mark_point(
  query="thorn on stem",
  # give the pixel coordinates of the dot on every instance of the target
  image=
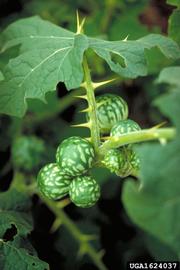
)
(56, 224)
(86, 110)
(89, 237)
(87, 125)
(79, 25)
(82, 97)
(82, 250)
(99, 84)
(101, 253)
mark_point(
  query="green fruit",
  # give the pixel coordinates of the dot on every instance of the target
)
(123, 161)
(52, 182)
(110, 109)
(134, 161)
(27, 152)
(114, 160)
(123, 127)
(84, 191)
(117, 161)
(75, 156)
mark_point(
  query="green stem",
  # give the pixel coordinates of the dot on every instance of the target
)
(110, 8)
(139, 136)
(85, 246)
(56, 207)
(95, 134)
(35, 119)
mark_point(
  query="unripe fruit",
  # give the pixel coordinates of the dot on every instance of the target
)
(75, 156)
(123, 127)
(84, 191)
(117, 161)
(114, 160)
(134, 160)
(123, 161)
(52, 182)
(110, 109)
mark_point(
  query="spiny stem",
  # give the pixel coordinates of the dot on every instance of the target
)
(75, 232)
(135, 137)
(110, 9)
(95, 134)
(32, 120)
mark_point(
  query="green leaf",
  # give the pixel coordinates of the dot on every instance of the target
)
(48, 54)
(174, 25)
(21, 221)
(1, 76)
(131, 55)
(173, 2)
(170, 75)
(154, 204)
(169, 106)
(15, 224)
(14, 208)
(14, 200)
(15, 257)
(158, 250)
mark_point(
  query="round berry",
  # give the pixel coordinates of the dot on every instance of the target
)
(110, 109)
(134, 160)
(75, 156)
(123, 127)
(114, 160)
(52, 182)
(117, 161)
(84, 191)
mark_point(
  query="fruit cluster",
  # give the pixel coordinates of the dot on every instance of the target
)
(69, 175)
(112, 115)
(75, 156)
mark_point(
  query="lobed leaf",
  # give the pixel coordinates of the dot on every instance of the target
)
(14, 200)
(14, 208)
(15, 224)
(14, 257)
(131, 54)
(49, 54)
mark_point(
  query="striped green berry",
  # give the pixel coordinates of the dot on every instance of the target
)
(110, 109)
(52, 182)
(134, 161)
(84, 191)
(75, 156)
(117, 161)
(123, 127)
(114, 160)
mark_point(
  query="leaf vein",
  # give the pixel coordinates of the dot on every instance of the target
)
(42, 62)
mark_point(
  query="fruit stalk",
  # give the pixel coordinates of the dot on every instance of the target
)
(85, 246)
(137, 136)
